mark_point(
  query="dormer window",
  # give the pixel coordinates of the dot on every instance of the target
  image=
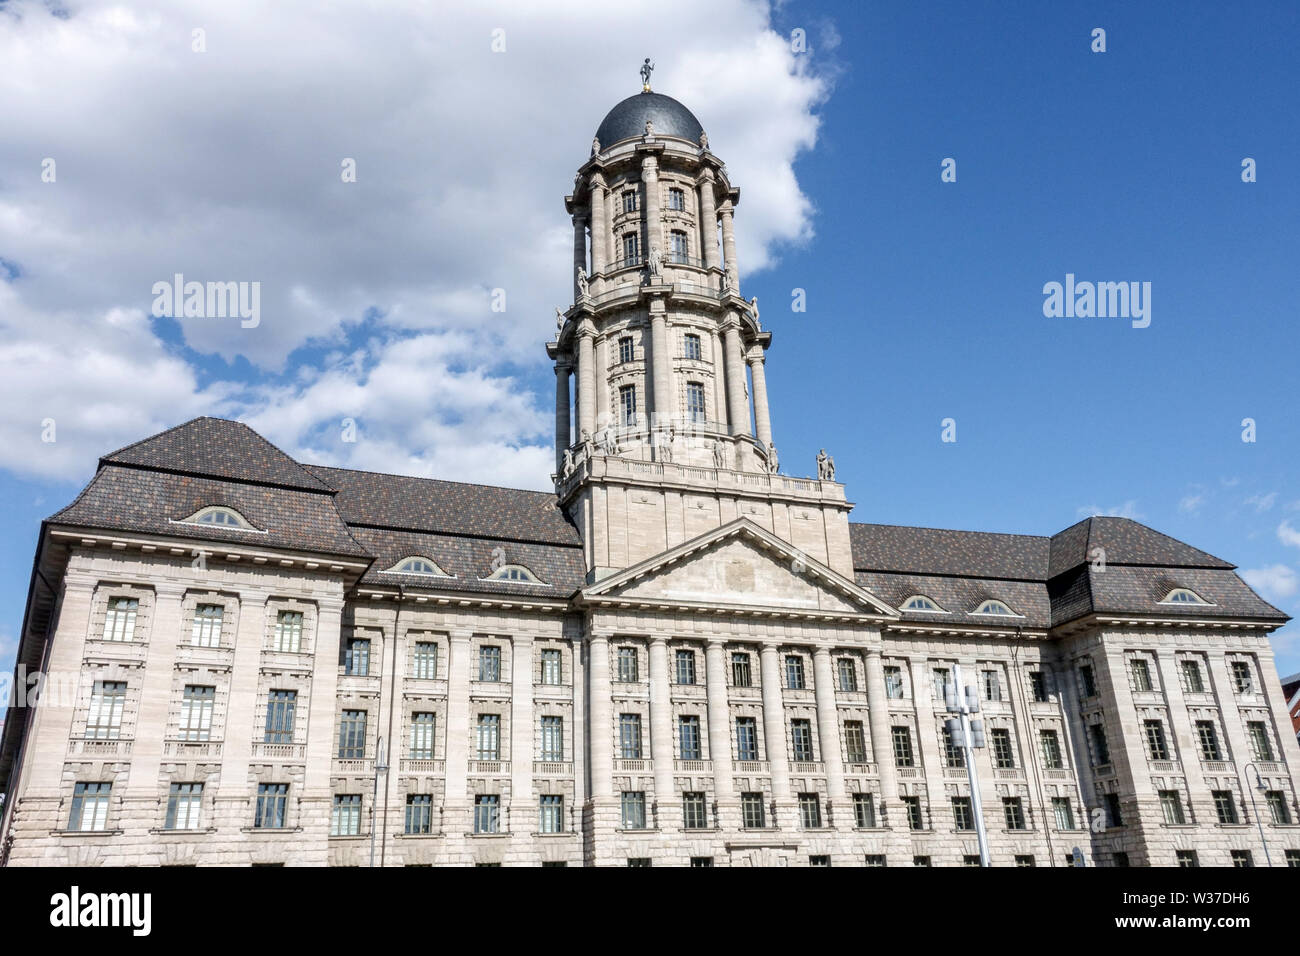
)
(514, 572)
(995, 609)
(417, 565)
(920, 602)
(1183, 596)
(219, 517)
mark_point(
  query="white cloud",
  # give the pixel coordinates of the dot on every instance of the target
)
(1127, 510)
(1288, 535)
(1191, 503)
(1274, 582)
(1262, 503)
(225, 165)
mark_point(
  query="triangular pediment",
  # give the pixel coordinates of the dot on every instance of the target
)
(738, 566)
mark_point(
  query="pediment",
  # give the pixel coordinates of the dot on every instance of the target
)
(739, 565)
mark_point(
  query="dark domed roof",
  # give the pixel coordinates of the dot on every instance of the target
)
(628, 118)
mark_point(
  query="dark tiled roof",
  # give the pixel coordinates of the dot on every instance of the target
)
(1120, 588)
(1125, 541)
(133, 499)
(217, 448)
(447, 507)
(977, 554)
(959, 596)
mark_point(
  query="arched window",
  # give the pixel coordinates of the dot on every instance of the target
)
(1183, 596)
(219, 517)
(417, 565)
(995, 608)
(514, 572)
(919, 602)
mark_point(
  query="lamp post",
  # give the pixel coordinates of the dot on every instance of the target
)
(968, 734)
(380, 768)
(1254, 808)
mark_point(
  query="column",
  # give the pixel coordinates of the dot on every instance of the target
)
(581, 732)
(774, 722)
(719, 377)
(661, 725)
(737, 407)
(458, 729)
(155, 693)
(601, 398)
(586, 383)
(233, 806)
(762, 423)
(523, 810)
(599, 225)
(715, 662)
(729, 245)
(828, 725)
(561, 414)
(660, 366)
(882, 745)
(650, 201)
(708, 222)
(599, 730)
(579, 248)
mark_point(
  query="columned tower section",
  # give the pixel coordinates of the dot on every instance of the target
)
(662, 427)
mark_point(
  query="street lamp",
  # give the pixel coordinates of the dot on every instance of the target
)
(968, 734)
(1254, 808)
(380, 768)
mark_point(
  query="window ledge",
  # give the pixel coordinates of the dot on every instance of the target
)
(272, 830)
(177, 831)
(86, 833)
(489, 836)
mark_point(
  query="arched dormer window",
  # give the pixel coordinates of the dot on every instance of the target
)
(995, 609)
(919, 602)
(1183, 596)
(217, 516)
(514, 572)
(418, 565)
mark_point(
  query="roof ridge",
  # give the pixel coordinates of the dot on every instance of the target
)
(155, 435)
(445, 481)
(917, 527)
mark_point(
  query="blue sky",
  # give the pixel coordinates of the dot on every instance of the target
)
(924, 298)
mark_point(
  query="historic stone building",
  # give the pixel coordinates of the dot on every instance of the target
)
(680, 657)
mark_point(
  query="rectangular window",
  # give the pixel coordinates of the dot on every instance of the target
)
(356, 657)
(629, 200)
(633, 810)
(1242, 858)
(695, 411)
(1224, 806)
(1260, 744)
(1209, 740)
(810, 811)
(913, 807)
(920, 861)
(487, 813)
(746, 738)
(801, 739)
(1087, 679)
(184, 801)
(550, 809)
(1171, 805)
(1024, 859)
(90, 806)
(694, 812)
(864, 811)
(489, 663)
(627, 669)
(701, 861)
(685, 661)
(104, 719)
(552, 738)
(741, 674)
(941, 681)
(352, 735)
(272, 801)
(794, 672)
(855, 742)
(1187, 858)
(1242, 679)
(894, 683)
(625, 353)
(1051, 745)
(1157, 749)
(678, 248)
(1063, 812)
(426, 660)
(1277, 808)
(691, 346)
(489, 736)
(280, 705)
(953, 756)
(345, 818)
(992, 685)
(631, 249)
(196, 712)
(288, 632)
(752, 811)
(1192, 682)
(627, 404)
(1119, 858)
(119, 619)
(688, 729)
(1100, 749)
(1140, 672)
(1037, 687)
(423, 727)
(902, 737)
(1293, 858)
(848, 674)
(874, 859)
(1013, 812)
(970, 859)
(676, 200)
(1004, 755)
(419, 813)
(207, 625)
(820, 860)
(1114, 816)
(551, 666)
(629, 736)
(962, 814)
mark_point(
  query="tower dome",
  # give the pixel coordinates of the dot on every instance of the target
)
(627, 120)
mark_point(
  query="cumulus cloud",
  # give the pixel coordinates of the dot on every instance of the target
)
(1275, 581)
(224, 165)
(1288, 535)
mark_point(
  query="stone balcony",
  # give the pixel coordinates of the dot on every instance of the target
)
(100, 748)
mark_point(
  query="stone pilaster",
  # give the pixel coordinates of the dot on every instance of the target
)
(737, 406)
(523, 806)
(661, 725)
(828, 725)
(715, 662)
(599, 226)
(650, 203)
(882, 746)
(729, 244)
(708, 221)
(600, 732)
(586, 383)
(774, 723)
(661, 366)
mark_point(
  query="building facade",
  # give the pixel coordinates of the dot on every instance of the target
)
(681, 657)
